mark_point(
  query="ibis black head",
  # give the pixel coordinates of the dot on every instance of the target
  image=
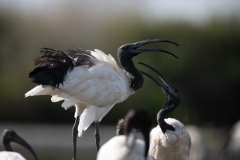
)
(172, 95)
(9, 136)
(127, 51)
(141, 121)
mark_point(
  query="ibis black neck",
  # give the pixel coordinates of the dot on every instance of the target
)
(128, 65)
(168, 107)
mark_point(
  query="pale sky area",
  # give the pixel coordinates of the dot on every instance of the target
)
(193, 11)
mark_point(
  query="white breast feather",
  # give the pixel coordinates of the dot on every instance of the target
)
(173, 145)
(102, 82)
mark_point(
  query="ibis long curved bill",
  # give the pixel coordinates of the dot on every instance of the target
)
(9, 136)
(172, 95)
(169, 133)
(166, 84)
(148, 41)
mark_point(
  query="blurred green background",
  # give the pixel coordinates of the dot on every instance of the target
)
(207, 72)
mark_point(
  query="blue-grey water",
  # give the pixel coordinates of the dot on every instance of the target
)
(55, 141)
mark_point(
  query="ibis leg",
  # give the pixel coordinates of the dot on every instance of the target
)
(96, 135)
(74, 136)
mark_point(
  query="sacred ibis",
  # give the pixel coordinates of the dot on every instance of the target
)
(9, 136)
(90, 80)
(169, 139)
(128, 146)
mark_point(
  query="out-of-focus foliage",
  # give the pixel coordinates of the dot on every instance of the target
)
(207, 72)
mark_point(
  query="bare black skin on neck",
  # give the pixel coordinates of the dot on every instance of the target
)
(172, 95)
(125, 57)
(169, 106)
(9, 136)
(140, 120)
(128, 51)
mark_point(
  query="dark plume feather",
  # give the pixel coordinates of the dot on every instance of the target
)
(83, 57)
(52, 67)
(79, 51)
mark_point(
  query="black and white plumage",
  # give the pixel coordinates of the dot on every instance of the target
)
(127, 146)
(9, 136)
(169, 140)
(90, 80)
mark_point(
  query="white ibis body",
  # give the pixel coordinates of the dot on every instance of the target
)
(128, 146)
(9, 136)
(90, 80)
(6, 155)
(169, 140)
(173, 145)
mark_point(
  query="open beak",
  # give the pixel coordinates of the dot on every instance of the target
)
(144, 42)
(126, 52)
(172, 95)
(133, 47)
